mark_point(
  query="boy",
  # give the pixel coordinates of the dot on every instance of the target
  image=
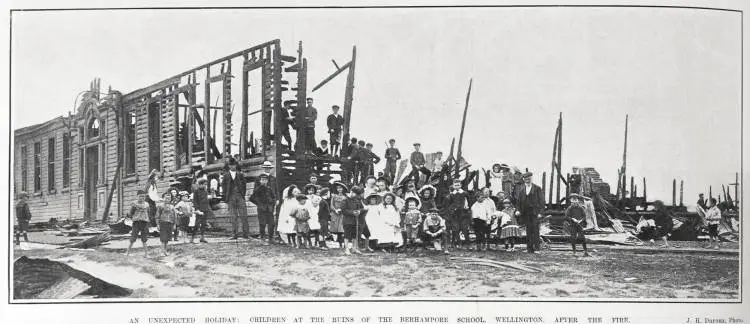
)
(166, 217)
(324, 216)
(575, 220)
(434, 227)
(354, 211)
(301, 217)
(139, 215)
(482, 213)
(200, 200)
(412, 220)
(234, 187)
(418, 161)
(335, 127)
(370, 160)
(392, 155)
(713, 218)
(265, 199)
(187, 211)
(23, 216)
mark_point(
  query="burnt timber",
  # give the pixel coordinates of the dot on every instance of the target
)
(90, 163)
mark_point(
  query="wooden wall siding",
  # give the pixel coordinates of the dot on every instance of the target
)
(62, 204)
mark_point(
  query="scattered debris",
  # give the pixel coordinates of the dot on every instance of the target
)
(495, 264)
(91, 242)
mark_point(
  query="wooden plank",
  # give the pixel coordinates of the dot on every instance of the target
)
(330, 77)
(463, 125)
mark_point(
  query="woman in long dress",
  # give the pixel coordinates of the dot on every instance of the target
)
(338, 197)
(288, 205)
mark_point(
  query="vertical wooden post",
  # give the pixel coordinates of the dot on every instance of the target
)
(567, 187)
(552, 171)
(736, 189)
(710, 192)
(645, 197)
(625, 158)
(463, 125)
(682, 182)
(674, 192)
(632, 187)
(207, 118)
(558, 163)
(724, 193)
(245, 108)
(348, 97)
(544, 183)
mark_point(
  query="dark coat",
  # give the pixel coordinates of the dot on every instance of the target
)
(200, 200)
(264, 198)
(535, 196)
(350, 205)
(239, 182)
(324, 211)
(335, 123)
(22, 211)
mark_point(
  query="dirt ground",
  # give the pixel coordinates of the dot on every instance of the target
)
(249, 269)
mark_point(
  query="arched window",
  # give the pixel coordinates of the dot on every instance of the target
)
(93, 128)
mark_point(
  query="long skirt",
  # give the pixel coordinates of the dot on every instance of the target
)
(337, 223)
(509, 231)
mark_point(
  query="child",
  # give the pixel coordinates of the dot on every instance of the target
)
(713, 217)
(509, 229)
(482, 213)
(23, 216)
(200, 199)
(313, 209)
(370, 186)
(188, 216)
(301, 217)
(434, 227)
(391, 219)
(458, 217)
(265, 200)
(166, 217)
(412, 220)
(338, 199)
(374, 223)
(427, 196)
(392, 155)
(139, 213)
(575, 219)
(324, 216)
(286, 223)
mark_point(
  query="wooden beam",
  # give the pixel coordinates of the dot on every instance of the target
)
(645, 197)
(463, 125)
(552, 171)
(335, 64)
(349, 96)
(559, 156)
(682, 182)
(207, 118)
(330, 77)
(245, 107)
(674, 192)
(625, 157)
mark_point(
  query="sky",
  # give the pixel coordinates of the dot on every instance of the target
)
(675, 72)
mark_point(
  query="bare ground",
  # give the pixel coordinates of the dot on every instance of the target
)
(248, 269)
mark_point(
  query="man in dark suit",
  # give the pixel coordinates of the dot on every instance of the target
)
(530, 206)
(234, 187)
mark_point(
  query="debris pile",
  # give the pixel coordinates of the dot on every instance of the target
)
(47, 279)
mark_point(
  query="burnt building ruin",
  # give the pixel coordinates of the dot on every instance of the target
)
(90, 163)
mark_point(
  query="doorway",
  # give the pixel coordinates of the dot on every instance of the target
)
(91, 181)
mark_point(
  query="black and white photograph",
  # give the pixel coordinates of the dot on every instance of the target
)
(449, 153)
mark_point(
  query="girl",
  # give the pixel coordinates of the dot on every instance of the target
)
(286, 222)
(663, 221)
(509, 229)
(337, 218)
(187, 215)
(313, 208)
(391, 218)
(427, 197)
(301, 217)
(166, 216)
(495, 177)
(412, 221)
(372, 218)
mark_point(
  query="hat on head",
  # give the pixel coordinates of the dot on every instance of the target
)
(498, 165)
(575, 195)
(417, 144)
(26, 194)
(374, 195)
(506, 200)
(263, 176)
(391, 140)
(415, 199)
(368, 144)
(342, 185)
(267, 164)
(313, 175)
(184, 193)
(527, 175)
(371, 177)
(504, 166)
(357, 190)
(301, 197)
(426, 188)
(232, 161)
(457, 180)
(434, 210)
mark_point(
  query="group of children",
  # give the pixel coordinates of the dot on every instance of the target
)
(176, 215)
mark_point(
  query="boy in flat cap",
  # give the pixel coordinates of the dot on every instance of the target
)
(234, 186)
(392, 155)
(370, 160)
(23, 216)
(575, 220)
(335, 127)
(530, 206)
(265, 199)
(457, 214)
(418, 161)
